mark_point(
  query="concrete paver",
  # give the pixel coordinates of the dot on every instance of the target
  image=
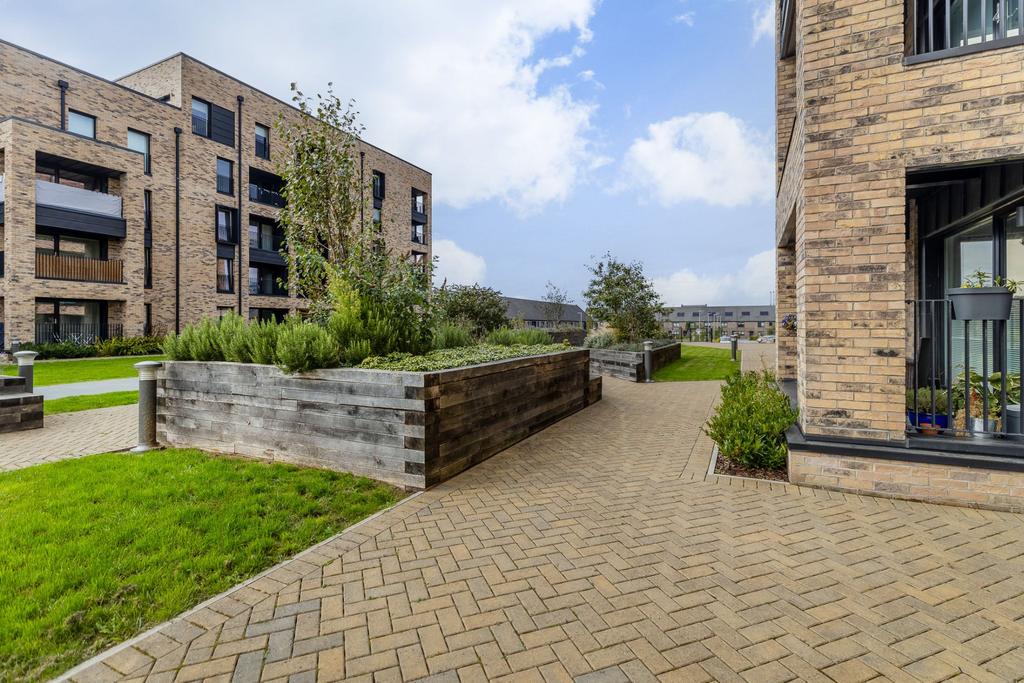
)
(71, 435)
(596, 549)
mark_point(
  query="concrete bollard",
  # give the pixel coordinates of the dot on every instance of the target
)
(648, 362)
(26, 367)
(733, 343)
(147, 406)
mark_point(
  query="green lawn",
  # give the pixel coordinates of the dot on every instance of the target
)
(94, 550)
(699, 363)
(87, 370)
(72, 404)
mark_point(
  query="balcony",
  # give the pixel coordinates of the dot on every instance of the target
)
(71, 208)
(78, 269)
(263, 195)
(419, 208)
(83, 332)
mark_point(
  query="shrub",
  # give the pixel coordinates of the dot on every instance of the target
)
(599, 340)
(64, 349)
(481, 309)
(451, 336)
(750, 421)
(302, 347)
(233, 338)
(503, 336)
(262, 341)
(924, 400)
(196, 342)
(445, 359)
(129, 346)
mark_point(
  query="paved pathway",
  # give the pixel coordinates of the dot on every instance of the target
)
(596, 549)
(71, 435)
(102, 386)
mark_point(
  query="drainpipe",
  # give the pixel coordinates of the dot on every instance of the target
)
(177, 230)
(362, 199)
(63, 85)
(238, 225)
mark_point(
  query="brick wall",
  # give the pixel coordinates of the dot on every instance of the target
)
(867, 120)
(991, 489)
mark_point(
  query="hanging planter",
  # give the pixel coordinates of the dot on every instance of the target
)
(788, 322)
(976, 300)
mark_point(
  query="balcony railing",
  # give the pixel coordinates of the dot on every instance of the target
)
(78, 332)
(965, 380)
(79, 269)
(265, 196)
(77, 199)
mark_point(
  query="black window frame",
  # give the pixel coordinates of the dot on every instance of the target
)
(84, 115)
(230, 192)
(277, 234)
(209, 117)
(266, 141)
(922, 32)
(233, 213)
(379, 185)
(147, 156)
(147, 258)
(230, 274)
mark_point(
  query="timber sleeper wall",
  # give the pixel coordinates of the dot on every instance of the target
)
(412, 429)
(630, 364)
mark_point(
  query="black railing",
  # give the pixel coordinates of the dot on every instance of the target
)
(964, 378)
(80, 333)
(264, 195)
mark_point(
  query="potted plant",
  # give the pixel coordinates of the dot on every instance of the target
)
(980, 388)
(919, 410)
(1011, 417)
(976, 299)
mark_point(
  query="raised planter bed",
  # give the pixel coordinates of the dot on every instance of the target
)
(630, 364)
(412, 429)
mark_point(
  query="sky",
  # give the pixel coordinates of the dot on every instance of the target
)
(556, 131)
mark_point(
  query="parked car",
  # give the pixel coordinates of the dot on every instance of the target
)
(726, 339)
(766, 339)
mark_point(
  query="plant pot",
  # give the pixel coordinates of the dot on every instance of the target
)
(921, 420)
(980, 303)
(978, 426)
(1013, 423)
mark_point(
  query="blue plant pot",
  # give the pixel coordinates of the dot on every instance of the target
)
(921, 418)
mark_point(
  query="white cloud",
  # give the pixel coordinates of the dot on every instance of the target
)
(715, 158)
(685, 18)
(764, 21)
(449, 85)
(751, 284)
(456, 265)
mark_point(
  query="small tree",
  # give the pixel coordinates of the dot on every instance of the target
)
(480, 308)
(555, 301)
(620, 295)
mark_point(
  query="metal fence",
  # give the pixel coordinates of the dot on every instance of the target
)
(79, 333)
(964, 380)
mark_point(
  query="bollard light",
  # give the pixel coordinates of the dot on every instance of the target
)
(648, 362)
(147, 405)
(26, 367)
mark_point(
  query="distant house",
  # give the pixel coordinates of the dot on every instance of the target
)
(536, 313)
(710, 322)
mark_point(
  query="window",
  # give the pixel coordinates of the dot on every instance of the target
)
(201, 117)
(148, 329)
(147, 253)
(418, 236)
(225, 310)
(267, 281)
(378, 185)
(264, 234)
(82, 124)
(376, 217)
(225, 176)
(967, 25)
(147, 210)
(226, 226)
(746, 313)
(262, 141)
(224, 271)
(728, 314)
(695, 314)
(417, 258)
(265, 188)
(140, 143)
(419, 202)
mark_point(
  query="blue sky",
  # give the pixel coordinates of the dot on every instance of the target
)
(555, 130)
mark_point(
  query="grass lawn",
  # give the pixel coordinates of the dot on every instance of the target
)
(72, 404)
(94, 550)
(699, 363)
(86, 370)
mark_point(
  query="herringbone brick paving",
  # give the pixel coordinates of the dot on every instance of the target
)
(595, 550)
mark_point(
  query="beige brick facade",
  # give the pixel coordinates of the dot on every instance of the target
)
(155, 100)
(862, 118)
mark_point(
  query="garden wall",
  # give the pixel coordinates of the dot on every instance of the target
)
(412, 429)
(630, 364)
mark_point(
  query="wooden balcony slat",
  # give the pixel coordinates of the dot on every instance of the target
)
(59, 267)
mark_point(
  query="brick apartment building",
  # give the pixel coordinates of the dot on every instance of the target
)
(149, 202)
(711, 322)
(900, 140)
